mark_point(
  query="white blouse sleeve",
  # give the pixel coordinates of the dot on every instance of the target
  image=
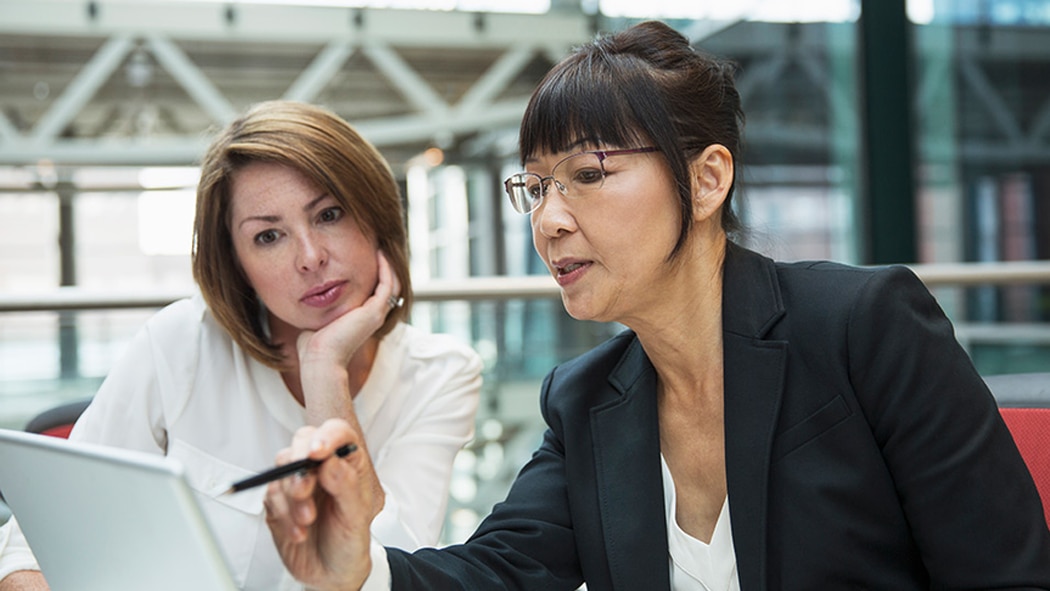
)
(379, 577)
(149, 384)
(14, 552)
(128, 410)
(434, 421)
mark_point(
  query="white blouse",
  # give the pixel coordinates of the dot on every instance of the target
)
(185, 389)
(696, 566)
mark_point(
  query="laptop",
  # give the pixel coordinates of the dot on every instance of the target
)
(107, 519)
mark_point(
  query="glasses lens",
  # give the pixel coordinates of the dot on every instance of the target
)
(579, 174)
(524, 190)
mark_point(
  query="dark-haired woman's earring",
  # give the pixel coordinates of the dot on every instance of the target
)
(395, 301)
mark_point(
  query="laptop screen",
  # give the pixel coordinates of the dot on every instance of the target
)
(109, 519)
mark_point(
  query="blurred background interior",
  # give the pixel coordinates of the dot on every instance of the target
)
(878, 131)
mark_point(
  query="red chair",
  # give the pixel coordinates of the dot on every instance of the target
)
(58, 421)
(1024, 402)
(1031, 430)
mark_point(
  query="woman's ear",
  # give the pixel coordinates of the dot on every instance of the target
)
(712, 175)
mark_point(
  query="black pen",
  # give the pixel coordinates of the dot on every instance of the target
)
(285, 470)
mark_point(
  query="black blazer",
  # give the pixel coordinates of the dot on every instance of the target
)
(863, 451)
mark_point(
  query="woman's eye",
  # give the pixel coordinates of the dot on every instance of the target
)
(588, 175)
(266, 237)
(331, 214)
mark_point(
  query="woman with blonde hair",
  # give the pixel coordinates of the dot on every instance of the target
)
(300, 254)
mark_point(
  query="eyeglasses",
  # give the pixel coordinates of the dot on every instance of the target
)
(574, 176)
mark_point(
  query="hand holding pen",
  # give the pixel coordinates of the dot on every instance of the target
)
(284, 470)
(321, 525)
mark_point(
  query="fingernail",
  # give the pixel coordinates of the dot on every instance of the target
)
(316, 444)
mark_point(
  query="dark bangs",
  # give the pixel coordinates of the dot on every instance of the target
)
(611, 99)
(593, 98)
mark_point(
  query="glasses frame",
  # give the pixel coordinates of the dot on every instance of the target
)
(546, 181)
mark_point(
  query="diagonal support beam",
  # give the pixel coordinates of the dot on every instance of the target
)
(87, 82)
(495, 79)
(8, 132)
(702, 29)
(838, 97)
(761, 72)
(1040, 124)
(320, 72)
(414, 88)
(413, 128)
(192, 79)
(991, 100)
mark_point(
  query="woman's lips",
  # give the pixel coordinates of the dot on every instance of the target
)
(571, 272)
(325, 295)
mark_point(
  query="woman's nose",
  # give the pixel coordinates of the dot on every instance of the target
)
(553, 217)
(312, 254)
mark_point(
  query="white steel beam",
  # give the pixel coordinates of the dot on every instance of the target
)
(82, 88)
(495, 79)
(1041, 123)
(990, 98)
(423, 127)
(320, 71)
(411, 85)
(184, 151)
(272, 23)
(191, 79)
(7, 131)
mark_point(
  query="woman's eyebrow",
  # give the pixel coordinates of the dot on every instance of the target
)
(269, 219)
(274, 218)
(312, 204)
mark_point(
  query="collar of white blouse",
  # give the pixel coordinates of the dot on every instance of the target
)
(696, 566)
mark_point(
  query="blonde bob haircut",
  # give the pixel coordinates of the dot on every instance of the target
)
(328, 151)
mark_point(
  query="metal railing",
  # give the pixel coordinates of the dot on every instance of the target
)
(495, 288)
(467, 289)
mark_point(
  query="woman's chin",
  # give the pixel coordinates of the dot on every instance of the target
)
(579, 311)
(334, 313)
(314, 322)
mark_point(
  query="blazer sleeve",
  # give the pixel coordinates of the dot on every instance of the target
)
(967, 494)
(527, 542)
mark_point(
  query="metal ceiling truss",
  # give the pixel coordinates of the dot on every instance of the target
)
(161, 30)
(410, 79)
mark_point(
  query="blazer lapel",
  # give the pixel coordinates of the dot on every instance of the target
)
(754, 382)
(630, 487)
(626, 441)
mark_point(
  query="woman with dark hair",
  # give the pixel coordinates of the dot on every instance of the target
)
(301, 257)
(760, 425)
